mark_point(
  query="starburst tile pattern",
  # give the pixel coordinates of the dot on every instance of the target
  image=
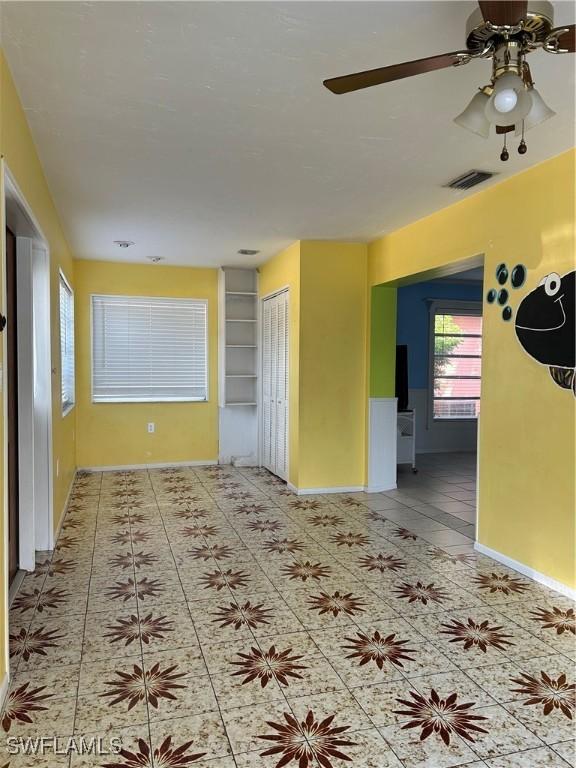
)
(445, 717)
(382, 563)
(40, 600)
(424, 593)
(54, 567)
(552, 693)
(350, 539)
(556, 619)
(473, 634)
(308, 742)
(326, 521)
(164, 756)
(242, 615)
(264, 526)
(505, 584)
(143, 685)
(268, 665)
(336, 603)
(219, 580)
(141, 588)
(280, 546)
(136, 628)
(198, 609)
(305, 570)
(26, 643)
(211, 552)
(23, 704)
(378, 649)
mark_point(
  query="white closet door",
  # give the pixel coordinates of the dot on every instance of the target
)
(266, 385)
(275, 384)
(282, 388)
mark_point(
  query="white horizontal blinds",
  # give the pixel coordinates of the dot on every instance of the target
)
(149, 349)
(67, 343)
(457, 364)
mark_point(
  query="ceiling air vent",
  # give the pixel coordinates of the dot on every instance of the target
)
(470, 179)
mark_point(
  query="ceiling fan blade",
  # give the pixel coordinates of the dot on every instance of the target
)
(567, 41)
(371, 77)
(503, 12)
(504, 128)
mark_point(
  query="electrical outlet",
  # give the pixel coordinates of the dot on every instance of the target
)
(151, 427)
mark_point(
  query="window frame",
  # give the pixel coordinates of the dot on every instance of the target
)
(445, 307)
(64, 284)
(140, 400)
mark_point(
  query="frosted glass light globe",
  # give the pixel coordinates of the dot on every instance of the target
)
(505, 100)
(510, 101)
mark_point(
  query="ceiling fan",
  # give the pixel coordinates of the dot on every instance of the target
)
(505, 31)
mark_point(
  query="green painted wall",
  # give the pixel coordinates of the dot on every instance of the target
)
(382, 341)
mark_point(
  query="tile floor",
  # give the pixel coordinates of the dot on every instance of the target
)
(208, 616)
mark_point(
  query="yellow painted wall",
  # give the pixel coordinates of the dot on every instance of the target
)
(328, 346)
(113, 434)
(527, 424)
(19, 154)
(333, 364)
(283, 271)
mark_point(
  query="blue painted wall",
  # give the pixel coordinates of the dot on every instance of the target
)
(412, 326)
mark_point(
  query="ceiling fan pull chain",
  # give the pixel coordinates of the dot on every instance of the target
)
(504, 155)
(522, 147)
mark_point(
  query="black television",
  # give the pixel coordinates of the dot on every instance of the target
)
(402, 376)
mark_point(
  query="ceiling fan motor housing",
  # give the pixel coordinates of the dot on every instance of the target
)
(536, 27)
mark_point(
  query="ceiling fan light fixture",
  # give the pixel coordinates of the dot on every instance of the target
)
(510, 101)
(539, 112)
(473, 118)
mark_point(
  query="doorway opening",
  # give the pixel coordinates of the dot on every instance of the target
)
(438, 386)
(27, 385)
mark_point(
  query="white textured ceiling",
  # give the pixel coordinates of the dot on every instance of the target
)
(196, 129)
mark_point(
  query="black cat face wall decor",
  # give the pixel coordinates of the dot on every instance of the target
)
(545, 326)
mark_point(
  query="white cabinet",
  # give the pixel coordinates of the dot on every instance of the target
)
(406, 438)
(275, 384)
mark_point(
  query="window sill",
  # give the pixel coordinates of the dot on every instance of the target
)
(465, 420)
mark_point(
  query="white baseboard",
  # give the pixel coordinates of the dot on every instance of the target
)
(337, 489)
(64, 510)
(380, 488)
(244, 461)
(525, 570)
(161, 465)
(4, 686)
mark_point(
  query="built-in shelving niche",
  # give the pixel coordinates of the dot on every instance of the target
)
(238, 368)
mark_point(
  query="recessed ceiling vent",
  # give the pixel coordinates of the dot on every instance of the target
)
(470, 179)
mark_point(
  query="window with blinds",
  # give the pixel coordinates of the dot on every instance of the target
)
(456, 362)
(149, 349)
(67, 372)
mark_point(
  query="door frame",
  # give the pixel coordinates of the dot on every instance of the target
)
(34, 374)
(284, 289)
